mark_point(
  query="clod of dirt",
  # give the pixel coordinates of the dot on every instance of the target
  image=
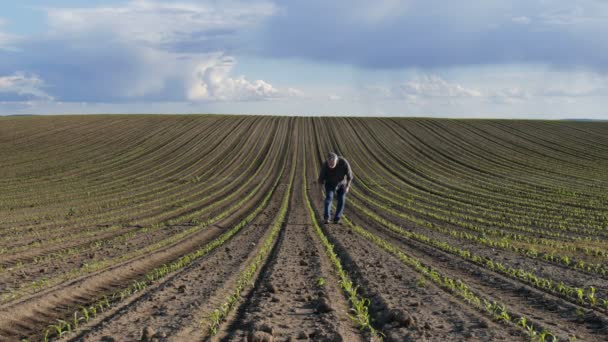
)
(107, 339)
(302, 335)
(415, 303)
(260, 336)
(271, 288)
(323, 306)
(275, 299)
(303, 263)
(402, 318)
(181, 289)
(265, 327)
(148, 335)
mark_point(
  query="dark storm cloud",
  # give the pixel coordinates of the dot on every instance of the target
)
(429, 34)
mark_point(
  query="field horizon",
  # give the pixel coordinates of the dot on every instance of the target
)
(163, 227)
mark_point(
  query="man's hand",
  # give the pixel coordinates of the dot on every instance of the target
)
(347, 189)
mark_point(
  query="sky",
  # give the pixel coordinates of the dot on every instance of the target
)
(532, 59)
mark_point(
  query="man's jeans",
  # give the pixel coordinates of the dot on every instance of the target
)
(329, 196)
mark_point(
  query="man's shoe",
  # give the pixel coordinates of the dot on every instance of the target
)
(326, 221)
(337, 221)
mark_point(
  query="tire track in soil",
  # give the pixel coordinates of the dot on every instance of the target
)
(176, 303)
(403, 306)
(287, 303)
(555, 314)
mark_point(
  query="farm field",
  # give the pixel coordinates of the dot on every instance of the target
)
(208, 227)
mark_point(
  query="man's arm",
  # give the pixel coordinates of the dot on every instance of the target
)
(349, 176)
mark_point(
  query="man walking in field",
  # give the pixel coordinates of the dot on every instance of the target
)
(337, 176)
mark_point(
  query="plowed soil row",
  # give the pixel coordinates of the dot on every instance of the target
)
(177, 305)
(405, 307)
(556, 315)
(28, 316)
(73, 199)
(296, 296)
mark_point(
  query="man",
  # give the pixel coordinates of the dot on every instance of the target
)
(337, 176)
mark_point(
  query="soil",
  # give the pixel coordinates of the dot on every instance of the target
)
(141, 173)
(297, 294)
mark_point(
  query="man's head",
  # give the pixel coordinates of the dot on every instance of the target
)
(332, 160)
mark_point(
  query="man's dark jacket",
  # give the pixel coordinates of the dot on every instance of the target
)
(336, 177)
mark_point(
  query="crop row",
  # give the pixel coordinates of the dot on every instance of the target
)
(86, 312)
(216, 317)
(43, 283)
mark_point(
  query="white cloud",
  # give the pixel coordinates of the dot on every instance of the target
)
(7, 41)
(510, 95)
(521, 20)
(566, 15)
(212, 82)
(149, 50)
(376, 12)
(520, 86)
(334, 97)
(431, 86)
(161, 22)
(23, 84)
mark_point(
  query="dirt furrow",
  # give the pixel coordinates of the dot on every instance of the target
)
(29, 315)
(404, 306)
(296, 296)
(556, 315)
(176, 302)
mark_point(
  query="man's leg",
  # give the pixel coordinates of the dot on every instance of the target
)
(341, 194)
(329, 196)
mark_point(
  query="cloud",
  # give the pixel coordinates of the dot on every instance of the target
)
(438, 34)
(433, 86)
(144, 50)
(7, 41)
(334, 98)
(425, 86)
(521, 20)
(22, 86)
(490, 86)
(175, 26)
(211, 82)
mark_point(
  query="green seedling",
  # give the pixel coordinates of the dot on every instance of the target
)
(591, 296)
(421, 282)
